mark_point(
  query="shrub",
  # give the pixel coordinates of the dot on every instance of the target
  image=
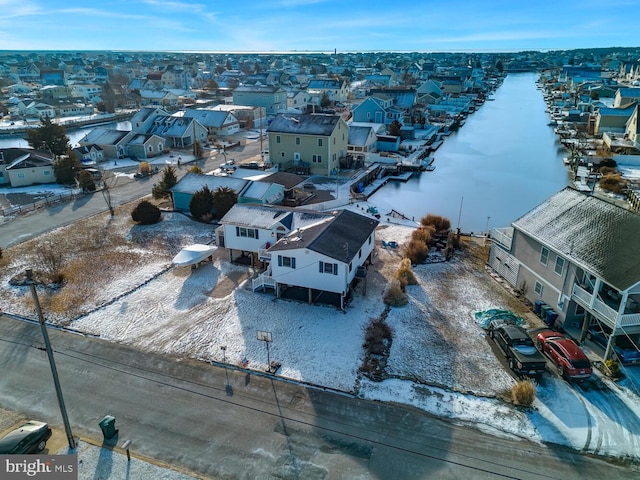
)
(146, 213)
(169, 179)
(423, 234)
(416, 251)
(612, 367)
(608, 170)
(395, 296)
(441, 224)
(405, 275)
(524, 392)
(613, 183)
(377, 337)
(50, 260)
(144, 167)
(453, 240)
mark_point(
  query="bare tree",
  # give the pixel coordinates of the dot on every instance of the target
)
(109, 181)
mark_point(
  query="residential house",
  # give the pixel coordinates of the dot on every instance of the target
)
(89, 154)
(321, 259)
(158, 97)
(144, 146)
(247, 115)
(299, 100)
(626, 96)
(112, 142)
(612, 119)
(377, 109)
(143, 119)
(178, 131)
(361, 140)
(577, 256)
(335, 90)
(88, 91)
(272, 99)
(308, 143)
(21, 167)
(183, 191)
(627, 142)
(218, 123)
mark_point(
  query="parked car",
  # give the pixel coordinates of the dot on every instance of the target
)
(570, 361)
(30, 437)
(624, 348)
(522, 355)
(253, 165)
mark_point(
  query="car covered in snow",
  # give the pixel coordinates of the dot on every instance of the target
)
(569, 360)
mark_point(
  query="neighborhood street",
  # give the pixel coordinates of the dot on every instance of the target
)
(225, 422)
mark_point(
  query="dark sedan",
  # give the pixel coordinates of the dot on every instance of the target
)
(30, 437)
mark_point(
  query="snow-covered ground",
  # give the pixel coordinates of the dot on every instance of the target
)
(440, 360)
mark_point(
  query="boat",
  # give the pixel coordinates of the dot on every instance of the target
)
(193, 254)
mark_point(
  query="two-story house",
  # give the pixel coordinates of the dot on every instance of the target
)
(377, 109)
(218, 123)
(576, 255)
(308, 143)
(273, 99)
(336, 90)
(318, 253)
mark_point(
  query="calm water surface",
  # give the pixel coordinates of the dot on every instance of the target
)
(504, 161)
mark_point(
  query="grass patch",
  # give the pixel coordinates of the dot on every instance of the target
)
(523, 393)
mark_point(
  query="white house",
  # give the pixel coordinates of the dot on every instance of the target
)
(320, 261)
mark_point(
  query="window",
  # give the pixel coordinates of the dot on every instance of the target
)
(559, 267)
(289, 262)
(297, 140)
(319, 142)
(544, 255)
(331, 268)
(277, 138)
(46, 172)
(247, 232)
(538, 288)
(316, 158)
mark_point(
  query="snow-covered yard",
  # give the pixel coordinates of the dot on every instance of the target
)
(440, 360)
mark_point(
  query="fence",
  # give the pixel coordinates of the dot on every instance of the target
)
(48, 201)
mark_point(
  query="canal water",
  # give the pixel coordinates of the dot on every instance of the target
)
(504, 161)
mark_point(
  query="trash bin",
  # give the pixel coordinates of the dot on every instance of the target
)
(108, 427)
(543, 311)
(537, 306)
(550, 318)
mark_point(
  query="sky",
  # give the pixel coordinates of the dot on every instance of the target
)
(316, 25)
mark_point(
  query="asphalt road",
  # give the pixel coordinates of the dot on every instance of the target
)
(229, 423)
(32, 224)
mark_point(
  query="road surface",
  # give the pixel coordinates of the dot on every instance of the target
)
(232, 423)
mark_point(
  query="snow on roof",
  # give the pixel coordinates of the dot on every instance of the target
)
(592, 232)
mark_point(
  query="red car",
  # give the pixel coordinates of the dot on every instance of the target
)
(565, 354)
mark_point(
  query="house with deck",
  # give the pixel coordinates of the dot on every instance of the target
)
(306, 254)
(576, 257)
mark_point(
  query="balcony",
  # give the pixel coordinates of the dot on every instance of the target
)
(503, 237)
(604, 312)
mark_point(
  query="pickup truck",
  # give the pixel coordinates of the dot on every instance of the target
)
(522, 355)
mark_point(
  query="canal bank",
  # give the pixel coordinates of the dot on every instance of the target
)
(504, 161)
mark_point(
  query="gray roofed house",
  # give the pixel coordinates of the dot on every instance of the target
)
(24, 166)
(113, 142)
(219, 123)
(183, 191)
(578, 254)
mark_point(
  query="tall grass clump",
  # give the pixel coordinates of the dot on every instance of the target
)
(404, 273)
(395, 295)
(523, 393)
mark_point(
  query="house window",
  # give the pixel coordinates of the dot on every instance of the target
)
(331, 268)
(538, 288)
(319, 142)
(360, 253)
(21, 175)
(544, 255)
(46, 173)
(277, 138)
(297, 140)
(289, 262)
(247, 232)
(559, 267)
(316, 158)
(150, 148)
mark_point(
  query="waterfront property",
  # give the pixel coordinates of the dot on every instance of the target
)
(20, 167)
(576, 256)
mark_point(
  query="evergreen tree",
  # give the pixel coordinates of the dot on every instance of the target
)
(169, 179)
(49, 137)
(223, 199)
(66, 168)
(86, 181)
(201, 204)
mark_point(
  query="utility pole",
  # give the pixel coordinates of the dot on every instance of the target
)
(52, 363)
